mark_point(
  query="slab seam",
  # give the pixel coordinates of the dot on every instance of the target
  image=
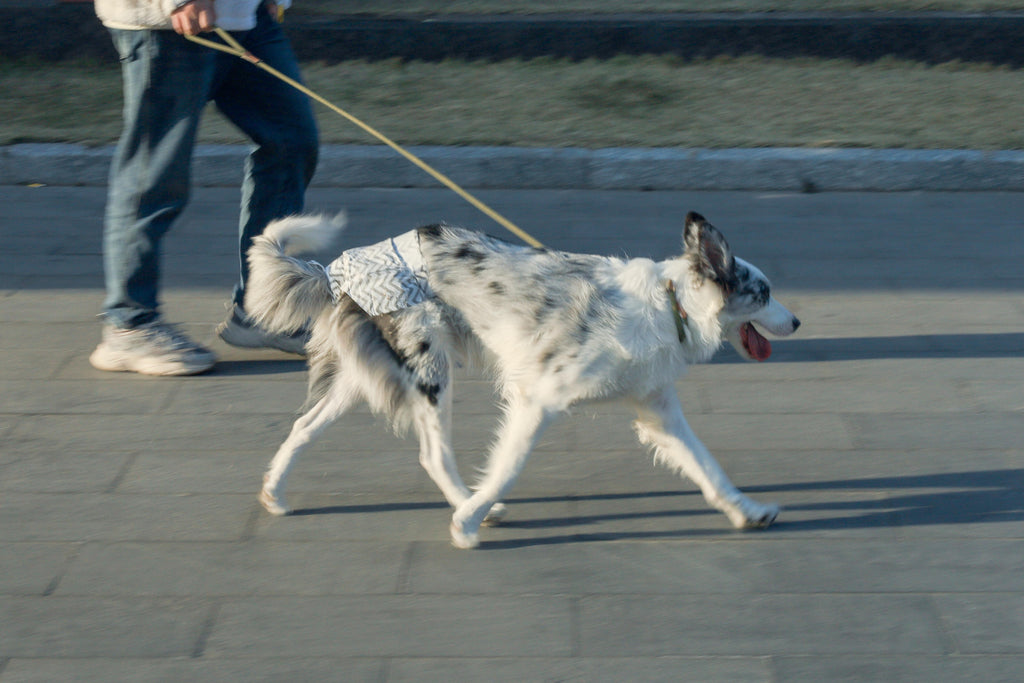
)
(55, 582)
(206, 631)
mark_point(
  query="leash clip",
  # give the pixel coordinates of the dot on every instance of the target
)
(678, 314)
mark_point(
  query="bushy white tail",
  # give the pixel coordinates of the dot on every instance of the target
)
(285, 293)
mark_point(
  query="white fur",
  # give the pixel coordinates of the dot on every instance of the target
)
(557, 329)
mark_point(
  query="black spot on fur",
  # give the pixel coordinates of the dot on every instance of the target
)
(589, 313)
(546, 307)
(575, 267)
(385, 324)
(581, 332)
(431, 391)
(431, 231)
(424, 347)
(757, 291)
(466, 251)
(497, 288)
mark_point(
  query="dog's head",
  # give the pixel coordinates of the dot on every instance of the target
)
(745, 290)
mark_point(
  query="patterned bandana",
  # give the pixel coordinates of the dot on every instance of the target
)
(383, 277)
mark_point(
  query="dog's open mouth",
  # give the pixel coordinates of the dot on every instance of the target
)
(754, 342)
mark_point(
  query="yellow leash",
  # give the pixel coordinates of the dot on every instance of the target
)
(232, 47)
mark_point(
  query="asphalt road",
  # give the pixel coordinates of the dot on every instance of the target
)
(132, 546)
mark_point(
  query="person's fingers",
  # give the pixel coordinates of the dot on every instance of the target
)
(207, 19)
(194, 18)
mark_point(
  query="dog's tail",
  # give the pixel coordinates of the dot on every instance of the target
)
(284, 293)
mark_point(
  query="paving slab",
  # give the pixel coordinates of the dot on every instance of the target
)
(78, 471)
(777, 624)
(78, 397)
(967, 432)
(100, 627)
(985, 624)
(904, 668)
(388, 625)
(323, 470)
(33, 568)
(888, 428)
(175, 670)
(242, 569)
(597, 669)
(124, 517)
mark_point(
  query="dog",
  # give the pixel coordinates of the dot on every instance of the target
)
(557, 329)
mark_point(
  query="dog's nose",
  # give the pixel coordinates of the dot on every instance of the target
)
(796, 323)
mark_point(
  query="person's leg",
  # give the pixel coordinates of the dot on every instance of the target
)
(166, 81)
(279, 120)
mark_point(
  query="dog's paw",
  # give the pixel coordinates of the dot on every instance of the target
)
(495, 515)
(748, 514)
(275, 505)
(463, 540)
(760, 516)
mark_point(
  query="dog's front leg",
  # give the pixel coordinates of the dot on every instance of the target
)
(522, 425)
(661, 424)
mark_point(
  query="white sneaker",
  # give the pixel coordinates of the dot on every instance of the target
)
(155, 348)
(238, 331)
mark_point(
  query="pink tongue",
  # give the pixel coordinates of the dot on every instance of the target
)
(756, 345)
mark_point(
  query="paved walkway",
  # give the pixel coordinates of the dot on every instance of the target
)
(889, 428)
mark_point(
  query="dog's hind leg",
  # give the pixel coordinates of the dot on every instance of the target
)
(523, 424)
(432, 421)
(661, 424)
(305, 430)
(431, 404)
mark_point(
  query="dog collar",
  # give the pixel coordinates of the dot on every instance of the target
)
(678, 313)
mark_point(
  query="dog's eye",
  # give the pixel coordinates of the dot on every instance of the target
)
(757, 292)
(763, 292)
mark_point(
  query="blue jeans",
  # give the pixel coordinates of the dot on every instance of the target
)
(167, 82)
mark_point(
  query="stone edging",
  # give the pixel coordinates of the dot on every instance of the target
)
(780, 169)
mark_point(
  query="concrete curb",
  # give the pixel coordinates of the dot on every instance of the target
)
(778, 169)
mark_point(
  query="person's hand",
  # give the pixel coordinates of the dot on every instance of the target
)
(194, 18)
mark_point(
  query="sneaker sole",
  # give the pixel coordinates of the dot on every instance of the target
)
(102, 359)
(251, 338)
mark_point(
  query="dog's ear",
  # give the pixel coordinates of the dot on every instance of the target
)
(711, 253)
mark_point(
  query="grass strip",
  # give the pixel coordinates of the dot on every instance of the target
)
(626, 101)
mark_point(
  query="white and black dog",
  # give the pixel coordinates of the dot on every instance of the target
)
(556, 328)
